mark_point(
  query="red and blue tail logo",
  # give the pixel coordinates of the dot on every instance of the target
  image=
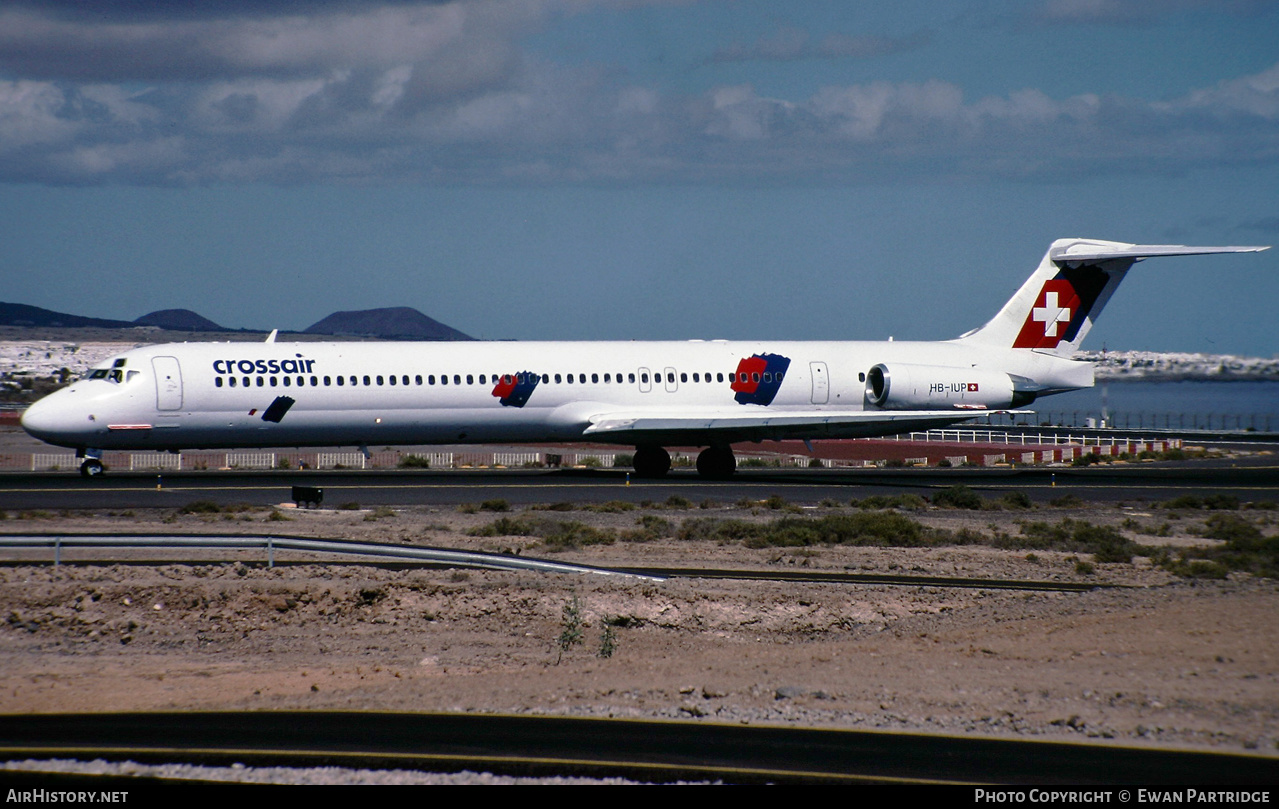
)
(759, 377)
(513, 390)
(1061, 308)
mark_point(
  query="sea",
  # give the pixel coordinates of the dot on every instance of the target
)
(1237, 405)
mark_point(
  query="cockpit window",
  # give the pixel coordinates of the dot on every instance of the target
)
(116, 373)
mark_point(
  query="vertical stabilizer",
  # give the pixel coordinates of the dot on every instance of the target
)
(1054, 310)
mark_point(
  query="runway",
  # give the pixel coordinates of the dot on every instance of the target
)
(1252, 479)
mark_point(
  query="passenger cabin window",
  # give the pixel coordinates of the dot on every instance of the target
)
(457, 379)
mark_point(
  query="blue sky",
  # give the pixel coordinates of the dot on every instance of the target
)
(625, 169)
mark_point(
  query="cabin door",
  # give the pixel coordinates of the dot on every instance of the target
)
(821, 382)
(168, 383)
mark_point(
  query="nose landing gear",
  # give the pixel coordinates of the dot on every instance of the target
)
(90, 462)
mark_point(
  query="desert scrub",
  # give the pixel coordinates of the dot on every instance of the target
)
(905, 502)
(867, 528)
(1105, 543)
(556, 535)
(1210, 502)
(1244, 549)
(571, 624)
(959, 497)
(650, 527)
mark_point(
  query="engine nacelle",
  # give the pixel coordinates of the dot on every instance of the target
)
(934, 387)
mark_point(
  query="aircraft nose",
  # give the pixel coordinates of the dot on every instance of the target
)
(52, 420)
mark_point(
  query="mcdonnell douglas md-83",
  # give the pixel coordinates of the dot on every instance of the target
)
(644, 394)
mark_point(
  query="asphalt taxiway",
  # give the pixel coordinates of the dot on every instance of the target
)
(1250, 479)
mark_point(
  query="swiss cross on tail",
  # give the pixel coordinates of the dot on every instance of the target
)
(1050, 317)
(1061, 307)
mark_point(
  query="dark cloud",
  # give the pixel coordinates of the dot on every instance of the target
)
(1268, 224)
(790, 44)
(1129, 12)
(36, 44)
(444, 93)
(159, 10)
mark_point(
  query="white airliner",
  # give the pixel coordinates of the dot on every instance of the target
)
(645, 394)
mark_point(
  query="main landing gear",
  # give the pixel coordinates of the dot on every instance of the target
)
(714, 463)
(651, 462)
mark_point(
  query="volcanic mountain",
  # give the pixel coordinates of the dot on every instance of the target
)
(178, 320)
(400, 322)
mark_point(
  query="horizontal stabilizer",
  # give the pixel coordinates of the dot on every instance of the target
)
(1081, 250)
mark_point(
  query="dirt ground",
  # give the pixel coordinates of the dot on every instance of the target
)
(1160, 661)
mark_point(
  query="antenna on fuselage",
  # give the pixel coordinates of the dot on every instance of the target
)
(270, 338)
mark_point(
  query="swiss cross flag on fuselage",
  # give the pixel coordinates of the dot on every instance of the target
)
(1061, 307)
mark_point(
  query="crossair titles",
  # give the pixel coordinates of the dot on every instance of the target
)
(297, 366)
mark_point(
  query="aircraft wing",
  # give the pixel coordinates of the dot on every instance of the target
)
(714, 426)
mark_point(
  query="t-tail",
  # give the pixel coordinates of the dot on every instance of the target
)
(1055, 308)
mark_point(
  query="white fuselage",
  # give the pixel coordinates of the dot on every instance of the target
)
(215, 395)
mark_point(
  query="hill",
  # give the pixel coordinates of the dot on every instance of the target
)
(178, 320)
(400, 322)
(20, 314)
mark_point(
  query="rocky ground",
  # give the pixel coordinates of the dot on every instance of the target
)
(1159, 661)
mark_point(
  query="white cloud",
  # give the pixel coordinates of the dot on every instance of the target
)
(30, 113)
